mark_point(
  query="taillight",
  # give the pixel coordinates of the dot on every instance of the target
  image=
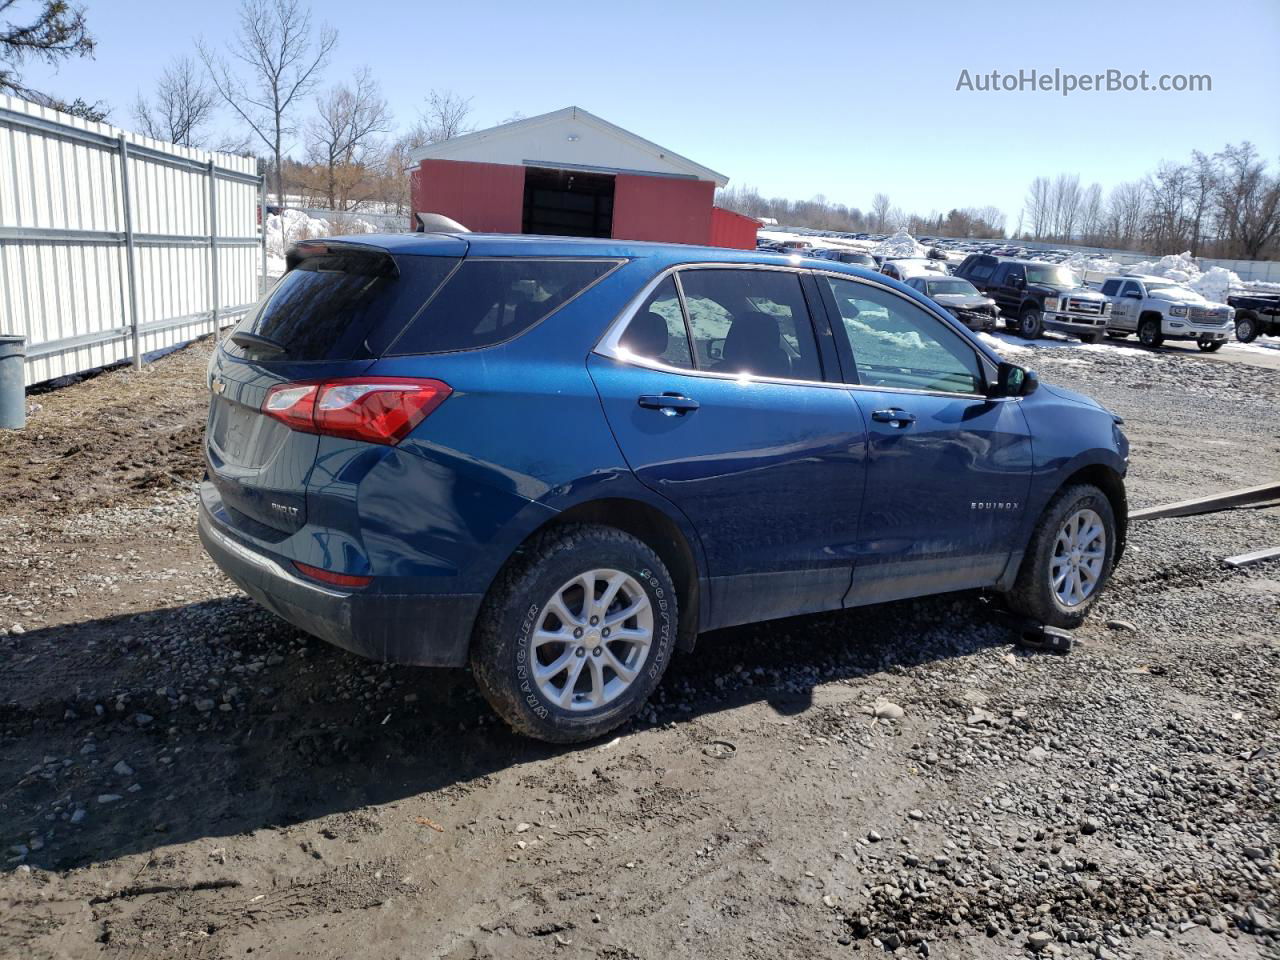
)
(373, 409)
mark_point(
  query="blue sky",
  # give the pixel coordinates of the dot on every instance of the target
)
(838, 98)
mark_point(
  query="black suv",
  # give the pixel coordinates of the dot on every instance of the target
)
(1034, 296)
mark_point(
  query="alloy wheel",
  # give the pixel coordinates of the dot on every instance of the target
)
(1079, 552)
(592, 639)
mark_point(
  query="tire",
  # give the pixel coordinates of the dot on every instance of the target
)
(1209, 346)
(1149, 333)
(522, 604)
(1031, 323)
(1090, 338)
(1033, 594)
(1246, 329)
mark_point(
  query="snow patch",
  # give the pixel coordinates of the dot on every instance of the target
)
(291, 226)
(901, 245)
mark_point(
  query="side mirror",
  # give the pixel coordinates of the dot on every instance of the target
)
(1017, 282)
(1015, 381)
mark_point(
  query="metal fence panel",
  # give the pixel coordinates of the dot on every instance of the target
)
(68, 241)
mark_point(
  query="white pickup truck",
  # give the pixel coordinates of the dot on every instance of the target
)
(1158, 309)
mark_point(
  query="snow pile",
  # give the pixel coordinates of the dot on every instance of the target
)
(1092, 263)
(291, 226)
(901, 244)
(917, 266)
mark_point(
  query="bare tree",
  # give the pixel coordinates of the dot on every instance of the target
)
(1248, 200)
(1091, 213)
(1065, 205)
(343, 135)
(1126, 209)
(281, 57)
(56, 32)
(1037, 207)
(1204, 181)
(184, 103)
(1168, 195)
(444, 116)
(880, 208)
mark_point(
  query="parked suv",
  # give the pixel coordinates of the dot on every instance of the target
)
(560, 460)
(1158, 309)
(1035, 296)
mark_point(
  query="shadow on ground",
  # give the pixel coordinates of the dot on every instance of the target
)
(320, 731)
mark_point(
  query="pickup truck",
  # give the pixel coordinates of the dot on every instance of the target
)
(1256, 314)
(1158, 309)
(1035, 296)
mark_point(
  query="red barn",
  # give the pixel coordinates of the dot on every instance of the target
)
(569, 173)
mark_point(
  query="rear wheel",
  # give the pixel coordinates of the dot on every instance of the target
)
(1149, 333)
(1208, 346)
(1246, 329)
(1069, 558)
(1031, 323)
(1090, 337)
(576, 634)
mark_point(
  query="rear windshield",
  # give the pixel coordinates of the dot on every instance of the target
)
(341, 305)
(488, 301)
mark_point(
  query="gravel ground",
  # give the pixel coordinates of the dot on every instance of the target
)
(183, 775)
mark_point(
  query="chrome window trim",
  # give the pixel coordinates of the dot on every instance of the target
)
(609, 344)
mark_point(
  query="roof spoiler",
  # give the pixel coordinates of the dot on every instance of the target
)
(438, 223)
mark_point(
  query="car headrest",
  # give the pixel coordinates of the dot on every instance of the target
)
(646, 335)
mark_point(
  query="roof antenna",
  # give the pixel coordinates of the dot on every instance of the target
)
(438, 223)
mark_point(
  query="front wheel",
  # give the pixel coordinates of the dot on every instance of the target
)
(576, 634)
(1246, 329)
(1090, 337)
(1069, 558)
(1031, 323)
(1208, 346)
(1149, 333)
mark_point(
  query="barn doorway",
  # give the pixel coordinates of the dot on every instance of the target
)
(568, 203)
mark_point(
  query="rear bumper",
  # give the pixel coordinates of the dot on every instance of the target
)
(425, 629)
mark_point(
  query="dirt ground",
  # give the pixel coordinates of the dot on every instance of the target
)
(183, 775)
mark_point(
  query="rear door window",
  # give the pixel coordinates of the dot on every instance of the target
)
(486, 302)
(751, 321)
(340, 305)
(657, 331)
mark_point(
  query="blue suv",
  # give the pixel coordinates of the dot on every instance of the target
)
(560, 460)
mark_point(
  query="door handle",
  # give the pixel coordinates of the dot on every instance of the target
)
(894, 417)
(669, 404)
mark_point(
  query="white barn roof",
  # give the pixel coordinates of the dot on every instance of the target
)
(568, 139)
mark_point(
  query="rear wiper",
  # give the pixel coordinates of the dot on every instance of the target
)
(256, 342)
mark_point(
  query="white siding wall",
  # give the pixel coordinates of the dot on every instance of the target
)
(56, 285)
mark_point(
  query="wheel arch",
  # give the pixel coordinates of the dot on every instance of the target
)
(1112, 485)
(653, 527)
